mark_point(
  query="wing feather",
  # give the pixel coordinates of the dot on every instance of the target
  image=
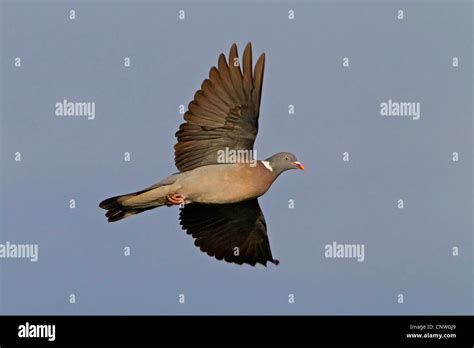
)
(235, 232)
(224, 112)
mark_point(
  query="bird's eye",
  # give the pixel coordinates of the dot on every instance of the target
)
(286, 158)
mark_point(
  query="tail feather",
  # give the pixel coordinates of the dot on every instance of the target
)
(117, 214)
(115, 202)
(120, 207)
(116, 211)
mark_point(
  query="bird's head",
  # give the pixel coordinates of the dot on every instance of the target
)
(283, 161)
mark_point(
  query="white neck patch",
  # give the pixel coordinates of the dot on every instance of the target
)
(267, 165)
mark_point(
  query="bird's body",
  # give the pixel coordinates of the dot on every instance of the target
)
(220, 199)
(213, 184)
(224, 183)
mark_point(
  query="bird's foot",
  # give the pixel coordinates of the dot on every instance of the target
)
(175, 199)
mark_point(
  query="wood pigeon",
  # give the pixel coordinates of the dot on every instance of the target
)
(218, 199)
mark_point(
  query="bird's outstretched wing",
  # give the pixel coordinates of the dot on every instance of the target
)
(224, 112)
(234, 232)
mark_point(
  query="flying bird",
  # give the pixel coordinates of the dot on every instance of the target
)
(219, 205)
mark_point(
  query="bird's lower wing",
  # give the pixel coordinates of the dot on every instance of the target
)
(234, 232)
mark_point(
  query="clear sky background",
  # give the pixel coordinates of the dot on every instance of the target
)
(407, 251)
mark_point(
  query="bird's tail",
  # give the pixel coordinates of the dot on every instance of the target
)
(116, 210)
(120, 207)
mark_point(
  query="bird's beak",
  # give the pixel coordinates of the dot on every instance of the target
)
(299, 165)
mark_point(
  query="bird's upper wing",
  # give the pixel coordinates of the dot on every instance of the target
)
(234, 232)
(224, 112)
